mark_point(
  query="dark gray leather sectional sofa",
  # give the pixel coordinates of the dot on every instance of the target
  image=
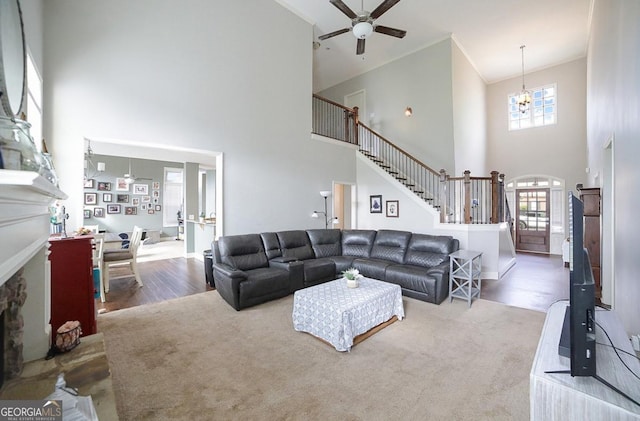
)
(255, 268)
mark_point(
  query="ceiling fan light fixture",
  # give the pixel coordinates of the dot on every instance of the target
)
(362, 30)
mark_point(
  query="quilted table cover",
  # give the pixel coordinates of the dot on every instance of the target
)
(337, 314)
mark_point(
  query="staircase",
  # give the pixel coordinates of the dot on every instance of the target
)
(462, 200)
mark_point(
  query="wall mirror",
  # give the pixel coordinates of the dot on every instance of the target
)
(12, 57)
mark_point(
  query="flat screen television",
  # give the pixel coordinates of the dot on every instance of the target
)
(578, 338)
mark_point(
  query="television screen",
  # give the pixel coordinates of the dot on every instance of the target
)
(578, 340)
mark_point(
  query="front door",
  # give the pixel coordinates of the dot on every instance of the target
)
(532, 226)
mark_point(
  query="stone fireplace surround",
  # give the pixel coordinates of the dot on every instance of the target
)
(25, 287)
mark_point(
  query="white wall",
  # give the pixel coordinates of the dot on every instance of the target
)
(557, 150)
(422, 81)
(200, 74)
(613, 108)
(469, 117)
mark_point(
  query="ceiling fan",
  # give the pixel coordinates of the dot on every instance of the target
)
(363, 23)
(129, 178)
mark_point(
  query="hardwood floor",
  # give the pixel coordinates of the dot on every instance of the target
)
(535, 282)
(163, 280)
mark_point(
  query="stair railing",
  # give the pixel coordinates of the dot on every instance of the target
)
(460, 200)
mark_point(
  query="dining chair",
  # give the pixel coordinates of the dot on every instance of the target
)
(98, 252)
(121, 256)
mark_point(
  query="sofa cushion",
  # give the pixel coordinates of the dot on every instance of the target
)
(271, 245)
(317, 271)
(372, 268)
(357, 243)
(390, 245)
(263, 282)
(325, 243)
(244, 252)
(342, 263)
(412, 278)
(429, 250)
(295, 244)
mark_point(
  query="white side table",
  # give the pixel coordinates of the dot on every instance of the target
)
(464, 271)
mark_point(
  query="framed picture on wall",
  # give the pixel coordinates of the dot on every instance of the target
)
(140, 189)
(156, 194)
(146, 199)
(90, 183)
(151, 212)
(107, 197)
(158, 208)
(121, 184)
(375, 203)
(122, 198)
(135, 201)
(87, 213)
(90, 198)
(98, 212)
(113, 208)
(104, 186)
(393, 210)
(130, 210)
(156, 185)
(143, 206)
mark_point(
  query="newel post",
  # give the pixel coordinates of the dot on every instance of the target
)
(495, 197)
(443, 195)
(467, 197)
(356, 121)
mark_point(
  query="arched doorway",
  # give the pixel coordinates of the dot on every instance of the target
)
(537, 205)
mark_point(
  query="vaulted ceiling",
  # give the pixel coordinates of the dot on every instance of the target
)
(489, 32)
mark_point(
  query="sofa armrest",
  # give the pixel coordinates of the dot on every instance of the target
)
(439, 270)
(227, 281)
(441, 274)
(295, 268)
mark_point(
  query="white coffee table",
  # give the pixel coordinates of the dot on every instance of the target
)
(338, 314)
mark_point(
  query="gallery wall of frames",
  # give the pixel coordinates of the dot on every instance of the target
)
(116, 203)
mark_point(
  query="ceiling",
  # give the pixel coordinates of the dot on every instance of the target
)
(489, 32)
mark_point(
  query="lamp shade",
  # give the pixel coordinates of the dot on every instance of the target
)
(325, 193)
(362, 30)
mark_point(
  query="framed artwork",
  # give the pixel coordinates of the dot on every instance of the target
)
(113, 208)
(156, 200)
(87, 213)
(156, 194)
(375, 204)
(140, 189)
(393, 210)
(130, 210)
(143, 206)
(90, 198)
(107, 197)
(156, 185)
(158, 208)
(146, 199)
(135, 201)
(122, 198)
(90, 183)
(151, 212)
(121, 184)
(98, 212)
(104, 186)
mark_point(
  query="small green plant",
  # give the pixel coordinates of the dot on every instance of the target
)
(351, 274)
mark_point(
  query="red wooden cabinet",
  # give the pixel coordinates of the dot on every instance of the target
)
(72, 290)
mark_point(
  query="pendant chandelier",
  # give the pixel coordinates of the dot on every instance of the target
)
(524, 98)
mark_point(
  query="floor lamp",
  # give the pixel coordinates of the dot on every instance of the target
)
(327, 219)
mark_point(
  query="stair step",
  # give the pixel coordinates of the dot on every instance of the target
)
(401, 178)
(385, 166)
(410, 185)
(393, 172)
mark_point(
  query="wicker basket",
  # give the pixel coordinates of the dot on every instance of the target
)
(68, 336)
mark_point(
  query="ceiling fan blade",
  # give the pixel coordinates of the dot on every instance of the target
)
(334, 33)
(360, 47)
(383, 7)
(344, 8)
(398, 33)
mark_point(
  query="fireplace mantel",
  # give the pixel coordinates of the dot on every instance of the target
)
(25, 198)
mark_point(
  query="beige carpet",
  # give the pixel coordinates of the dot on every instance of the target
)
(195, 358)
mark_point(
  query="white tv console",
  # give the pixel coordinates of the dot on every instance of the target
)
(558, 396)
